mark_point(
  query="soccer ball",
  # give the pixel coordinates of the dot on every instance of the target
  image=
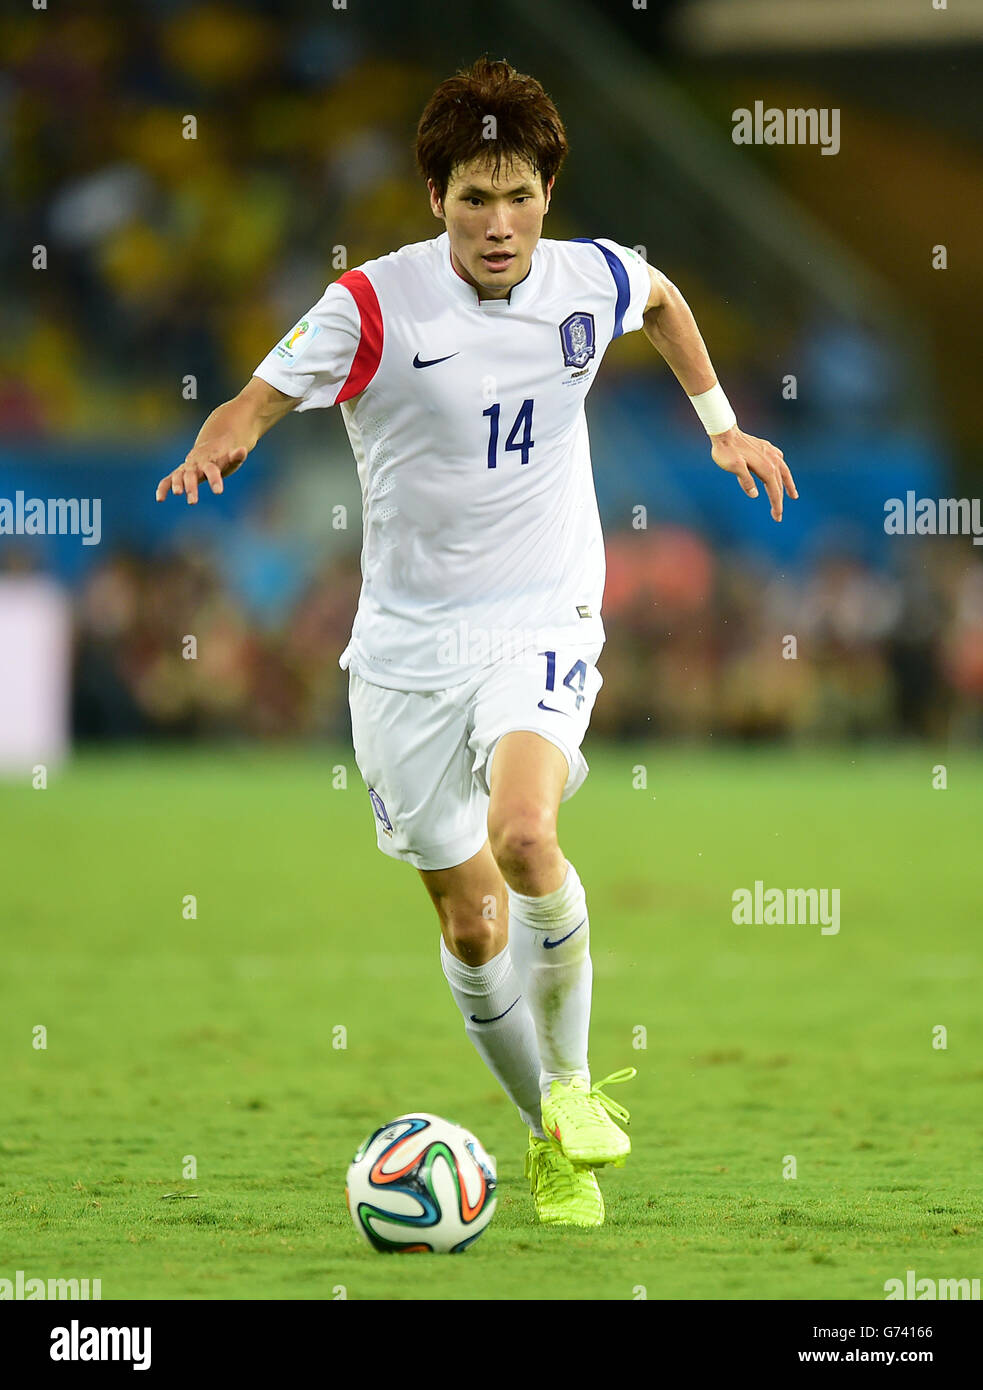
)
(421, 1183)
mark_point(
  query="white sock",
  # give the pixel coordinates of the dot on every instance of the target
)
(498, 1022)
(549, 940)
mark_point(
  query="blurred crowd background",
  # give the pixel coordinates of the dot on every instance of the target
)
(172, 266)
(696, 645)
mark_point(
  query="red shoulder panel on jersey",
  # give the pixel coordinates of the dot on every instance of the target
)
(369, 351)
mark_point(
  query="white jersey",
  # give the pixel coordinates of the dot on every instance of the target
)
(481, 535)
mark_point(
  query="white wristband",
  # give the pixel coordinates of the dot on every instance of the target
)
(714, 409)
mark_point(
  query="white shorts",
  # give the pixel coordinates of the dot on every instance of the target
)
(425, 756)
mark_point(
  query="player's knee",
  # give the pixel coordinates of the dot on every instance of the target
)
(521, 836)
(473, 938)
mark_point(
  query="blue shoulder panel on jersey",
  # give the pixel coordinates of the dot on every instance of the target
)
(620, 281)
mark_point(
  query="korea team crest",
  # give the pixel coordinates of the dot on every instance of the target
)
(577, 338)
(382, 815)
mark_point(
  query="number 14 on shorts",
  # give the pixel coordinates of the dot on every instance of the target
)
(577, 673)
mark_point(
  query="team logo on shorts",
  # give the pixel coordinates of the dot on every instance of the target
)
(577, 338)
(381, 814)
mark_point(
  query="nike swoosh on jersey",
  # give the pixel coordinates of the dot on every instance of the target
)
(476, 1019)
(434, 360)
(547, 943)
(552, 708)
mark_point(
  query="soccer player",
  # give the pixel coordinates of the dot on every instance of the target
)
(461, 366)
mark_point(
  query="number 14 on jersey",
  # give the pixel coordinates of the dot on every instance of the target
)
(515, 443)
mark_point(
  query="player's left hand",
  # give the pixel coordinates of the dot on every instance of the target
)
(743, 454)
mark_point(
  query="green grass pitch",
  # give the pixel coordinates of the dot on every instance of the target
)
(215, 1037)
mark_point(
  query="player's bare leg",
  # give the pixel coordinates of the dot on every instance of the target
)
(549, 942)
(472, 904)
(528, 774)
(547, 906)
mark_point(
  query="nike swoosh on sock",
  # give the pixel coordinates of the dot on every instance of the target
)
(476, 1019)
(547, 943)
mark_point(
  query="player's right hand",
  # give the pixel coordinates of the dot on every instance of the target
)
(206, 463)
